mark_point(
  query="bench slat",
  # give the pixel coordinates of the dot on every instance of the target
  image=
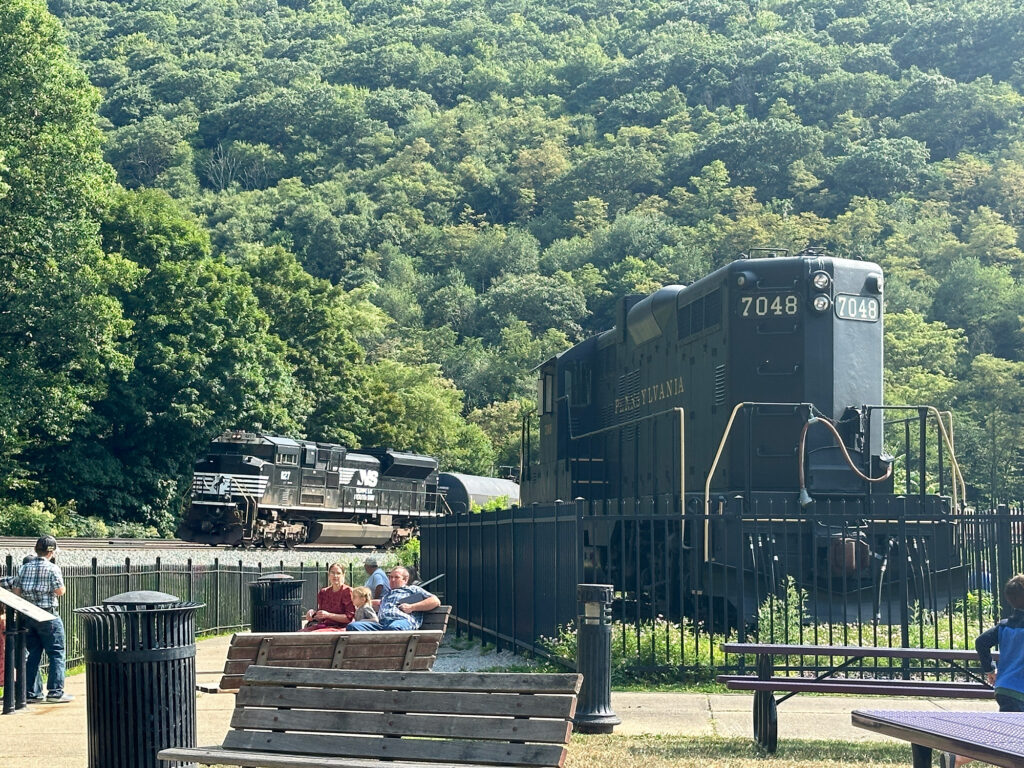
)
(346, 663)
(461, 702)
(849, 651)
(398, 749)
(438, 726)
(247, 640)
(325, 650)
(219, 756)
(508, 682)
(857, 681)
(866, 687)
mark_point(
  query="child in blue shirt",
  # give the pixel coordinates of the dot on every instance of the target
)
(1008, 635)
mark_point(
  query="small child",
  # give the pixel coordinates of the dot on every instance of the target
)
(1008, 634)
(364, 609)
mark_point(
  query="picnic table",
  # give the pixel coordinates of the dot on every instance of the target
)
(877, 680)
(996, 738)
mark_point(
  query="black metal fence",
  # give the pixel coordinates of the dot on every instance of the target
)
(221, 586)
(896, 573)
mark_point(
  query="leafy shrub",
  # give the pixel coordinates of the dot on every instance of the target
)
(25, 519)
(408, 553)
(494, 505)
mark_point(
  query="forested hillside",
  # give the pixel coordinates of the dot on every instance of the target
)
(369, 220)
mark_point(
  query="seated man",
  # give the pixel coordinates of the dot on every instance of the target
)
(401, 608)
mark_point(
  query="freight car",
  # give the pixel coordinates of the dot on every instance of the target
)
(740, 419)
(254, 489)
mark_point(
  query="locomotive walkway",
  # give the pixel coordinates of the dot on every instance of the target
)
(62, 727)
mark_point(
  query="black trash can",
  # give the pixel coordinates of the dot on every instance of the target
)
(276, 603)
(140, 678)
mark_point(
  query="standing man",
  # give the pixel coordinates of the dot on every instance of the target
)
(377, 581)
(402, 607)
(40, 582)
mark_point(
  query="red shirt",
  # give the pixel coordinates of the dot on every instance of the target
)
(336, 602)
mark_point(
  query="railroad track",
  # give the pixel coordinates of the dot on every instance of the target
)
(26, 542)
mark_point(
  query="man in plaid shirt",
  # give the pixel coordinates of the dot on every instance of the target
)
(40, 582)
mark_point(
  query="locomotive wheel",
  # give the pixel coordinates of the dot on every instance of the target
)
(766, 721)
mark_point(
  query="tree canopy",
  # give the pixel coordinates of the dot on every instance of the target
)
(367, 221)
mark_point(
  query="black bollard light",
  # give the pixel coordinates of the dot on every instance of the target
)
(594, 660)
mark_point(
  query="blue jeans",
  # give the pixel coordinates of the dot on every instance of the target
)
(375, 626)
(44, 636)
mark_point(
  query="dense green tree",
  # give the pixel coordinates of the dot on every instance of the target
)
(202, 358)
(480, 182)
(59, 324)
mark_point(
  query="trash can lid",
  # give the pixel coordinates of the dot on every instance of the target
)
(143, 599)
(274, 577)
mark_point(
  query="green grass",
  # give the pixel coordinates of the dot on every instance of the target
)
(599, 751)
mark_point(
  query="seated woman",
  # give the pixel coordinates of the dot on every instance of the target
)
(334, 606)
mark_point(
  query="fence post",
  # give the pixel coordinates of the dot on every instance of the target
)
(903, 552)
(158, 573)
(216, 593)
(1004, 555)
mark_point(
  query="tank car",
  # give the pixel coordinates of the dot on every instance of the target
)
(255, 489)
(749, 399)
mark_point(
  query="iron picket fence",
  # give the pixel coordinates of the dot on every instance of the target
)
(902, 574)
(221, 585)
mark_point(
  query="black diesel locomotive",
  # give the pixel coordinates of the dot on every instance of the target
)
(750, 399)
(263, 490)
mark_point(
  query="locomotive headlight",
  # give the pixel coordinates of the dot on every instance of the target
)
(746, 279)
(875, 282)
(821, 303)
(821, 281)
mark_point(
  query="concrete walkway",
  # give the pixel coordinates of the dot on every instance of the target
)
(56, 734)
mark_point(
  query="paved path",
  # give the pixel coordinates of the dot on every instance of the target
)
(58, 731)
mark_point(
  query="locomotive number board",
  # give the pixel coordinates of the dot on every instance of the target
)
(769, 305)
(857, 308)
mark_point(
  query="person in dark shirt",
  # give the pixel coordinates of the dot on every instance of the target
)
(1008, 680)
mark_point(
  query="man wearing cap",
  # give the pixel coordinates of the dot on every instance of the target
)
(377, 582)
(39, 581)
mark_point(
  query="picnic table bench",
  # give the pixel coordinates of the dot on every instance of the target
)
(406, 650)
(996, 738)
(765, 682)
(289, 718)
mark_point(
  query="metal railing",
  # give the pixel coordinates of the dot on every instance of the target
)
(221, 585)
(893, 573)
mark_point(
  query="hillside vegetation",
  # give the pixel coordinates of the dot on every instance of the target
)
(367, 221)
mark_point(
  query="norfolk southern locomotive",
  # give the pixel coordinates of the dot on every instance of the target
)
(750, 403)
(262, 490)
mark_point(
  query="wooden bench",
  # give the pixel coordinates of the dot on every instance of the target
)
(765, 681)
(289, 718)
(412, 650)
(996, 738)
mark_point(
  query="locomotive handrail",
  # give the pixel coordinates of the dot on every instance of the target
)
(947, 438)
(718, 456)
